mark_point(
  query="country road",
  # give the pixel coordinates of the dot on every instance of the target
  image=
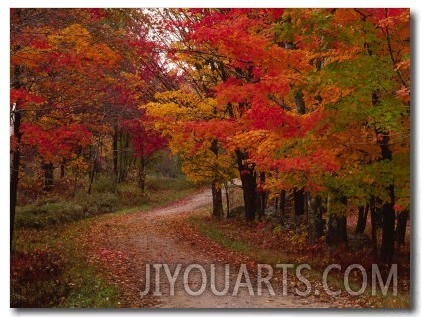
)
(180, 263)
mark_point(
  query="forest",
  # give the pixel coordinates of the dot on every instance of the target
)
(297, 121)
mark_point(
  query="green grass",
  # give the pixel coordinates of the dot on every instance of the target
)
(87, 288)
(48, 267)
(219, 236)
(43, 214)
(245, 247)
(48, 270)
(55, 210)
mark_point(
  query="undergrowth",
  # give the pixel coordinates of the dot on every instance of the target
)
(260, 242)
(106, 197)
(48, 266)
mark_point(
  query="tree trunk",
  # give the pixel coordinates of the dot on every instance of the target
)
(217, 200)
(126, 158)
(228, 205)
(248, 178)
(16, 157)
(388, 211)
(363, 212)
(142, 175)
(249, 194)
(337, 231)
(120, 158)
(62, 170)
(216, 185)
(92, 173)
(336, 224)
(402, 227)
(48, 176)
(315, 222)
(115, 152)
(262, 198)
(280, 206)
(299, 102)
(14, 180)
(388, 229)
(299, 201)
(16, 116)
(282, 202)
(375, 217)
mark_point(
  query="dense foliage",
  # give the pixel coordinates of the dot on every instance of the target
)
(312, 102)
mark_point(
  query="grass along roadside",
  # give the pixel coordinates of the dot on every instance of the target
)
(234, 235)
(107, 197)
(49, 267)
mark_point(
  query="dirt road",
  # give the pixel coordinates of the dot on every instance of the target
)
(160, 243)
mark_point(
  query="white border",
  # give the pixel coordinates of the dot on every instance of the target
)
(4, 135)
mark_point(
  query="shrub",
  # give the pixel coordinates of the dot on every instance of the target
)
(40, 216)
(49, 213)
(131, 195)
(164, 183)
(36, 279)
(105, 184)
(106, 202)
(55, 209)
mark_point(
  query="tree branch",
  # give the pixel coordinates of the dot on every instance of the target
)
(280, 104)
(391, 54)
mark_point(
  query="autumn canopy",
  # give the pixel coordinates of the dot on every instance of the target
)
(308, 103)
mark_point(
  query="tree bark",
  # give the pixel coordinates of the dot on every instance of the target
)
(315, 222)
(126, 158)
(142, 174)
(299, 102)
(48, 169)
(115, 151)
(299, 201)
(16, 116)
(14, 174)
(228, 204)
(337, 225)
(388, 229)
(282, 203)
(402, 226)
(388, 211)
(280, 206)
(375, 216)
(262, 198)
(248, 178)
(363, 212)
(337, 231)
(92, 172)
(217, 200)
(216, 185)
(120, 158)
(62, 170)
